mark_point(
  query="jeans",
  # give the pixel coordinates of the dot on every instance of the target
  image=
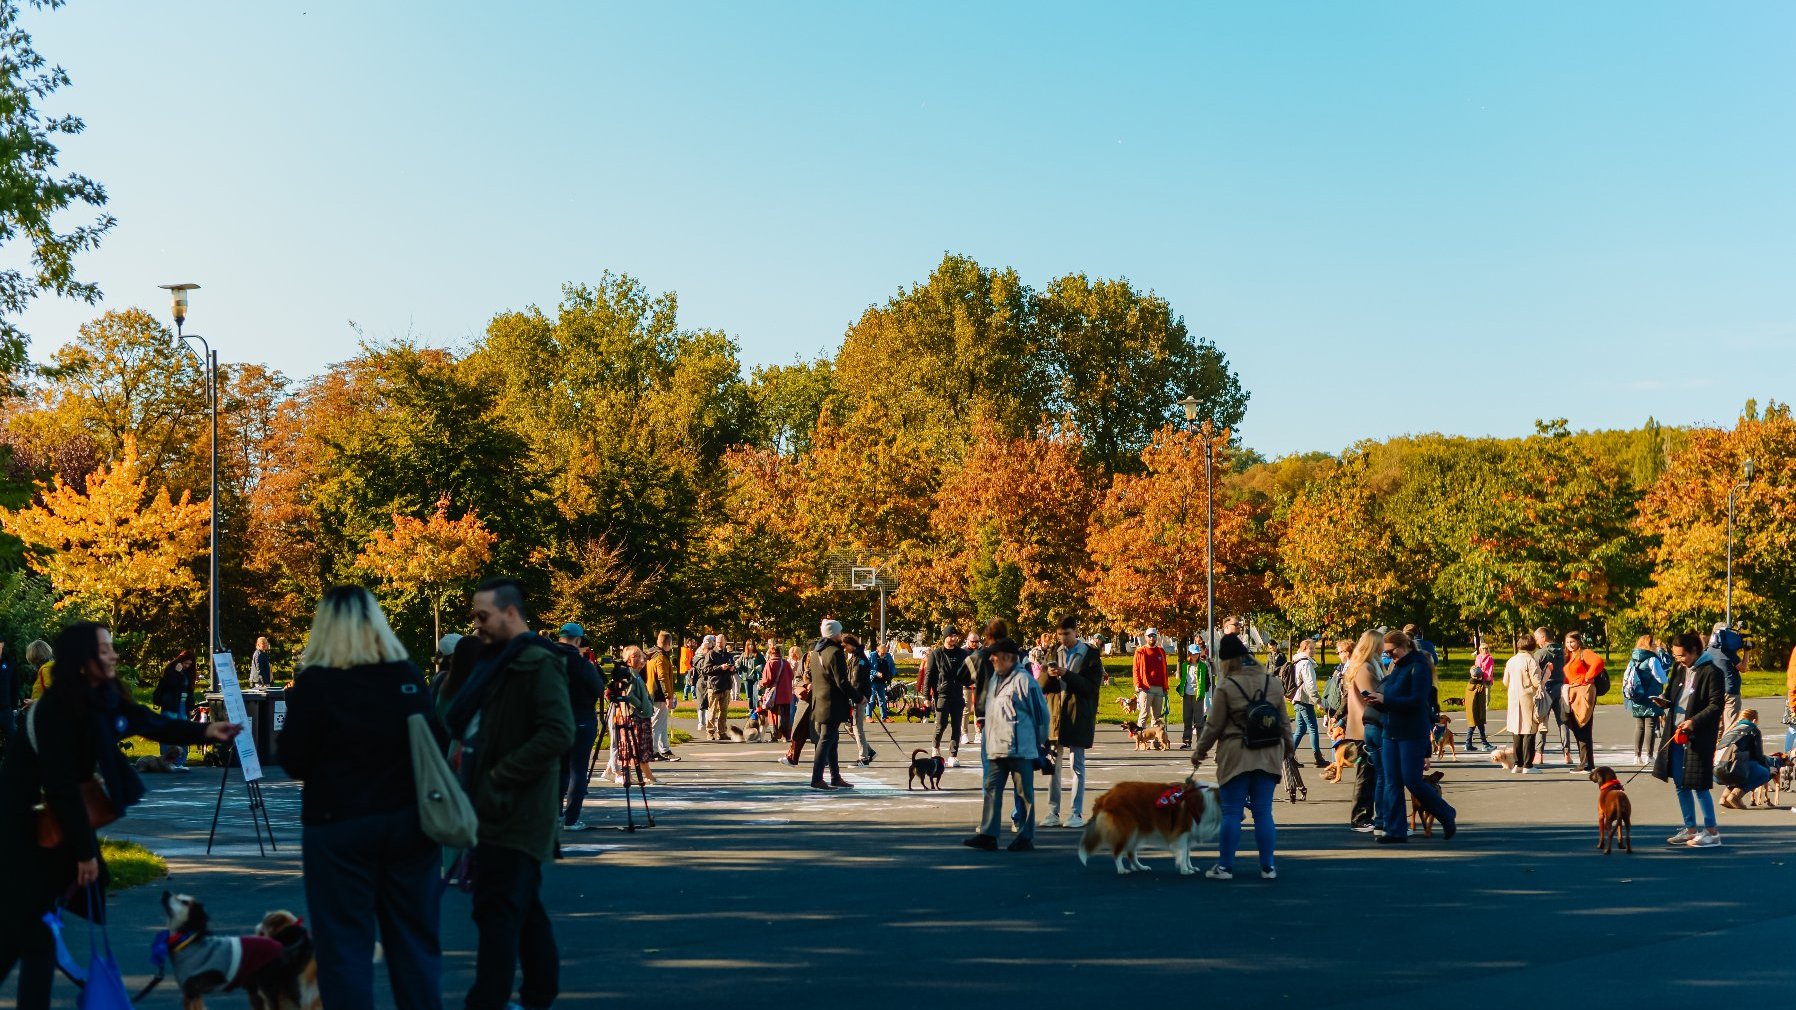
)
(1021, 773)
(947, 720)
(879, 698)
(1365, 781)
(661, 742)
(1789, 739)
(1391, 807)
(1402, 765)
(1306, 722)
(576, 769)
(1253, 789)
(514, 932)
(372, 874)
(1756, 776)
(1689, 798)
(829, 738)
(1078, 781)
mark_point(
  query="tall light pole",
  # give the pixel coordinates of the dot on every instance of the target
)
(209, 361)
(1746, 473)
(1190, 403)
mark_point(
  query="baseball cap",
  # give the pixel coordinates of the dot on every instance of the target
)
(1151, 633)
(572, 630)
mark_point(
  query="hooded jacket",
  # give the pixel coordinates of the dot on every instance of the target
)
(1015, 715)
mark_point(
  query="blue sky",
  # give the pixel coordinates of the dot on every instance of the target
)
(1393, 217)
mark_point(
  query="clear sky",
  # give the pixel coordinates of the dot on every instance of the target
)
(1393, 217)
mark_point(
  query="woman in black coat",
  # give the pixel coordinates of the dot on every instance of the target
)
(71, 737)
(1693, 700)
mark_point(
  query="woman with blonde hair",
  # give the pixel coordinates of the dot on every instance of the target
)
(368, 867)
(1366, 726)
(43, 666)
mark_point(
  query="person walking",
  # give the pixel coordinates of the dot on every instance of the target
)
(1249, 763)
(776, 689)
(860, 674)
(173, 697)
(584, 691)
(1745, 768)
(1014, 732)
(1362, 678)
(1406, 703)
(688, 649)
(1644, 679)
(663, 695)
(1194, 687)
(804, 725)
(947, 680)
(1150, 681)
(370, 871)
(1694, 697)
(261, 666)
(1523, 684)
(511, 760)
(885, 674)
(718, 668)
(1789, 704)
(71, 735)
(1551, 659)
(1305, 698)
(832, 699)
(1583, 669)
(1070, 685)
(699, 681)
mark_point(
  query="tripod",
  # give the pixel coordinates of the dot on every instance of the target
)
(630, 755)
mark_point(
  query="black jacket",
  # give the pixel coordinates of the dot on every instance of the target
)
(584, 685)
(719, 670)
(1707, 698)
(347, 739)
(174, 690)
(946, 681)
(1073, 701)
(832, 698)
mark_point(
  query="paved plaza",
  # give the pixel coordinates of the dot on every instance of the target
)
(755, 890)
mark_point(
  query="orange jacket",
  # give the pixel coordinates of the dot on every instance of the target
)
(1150, 668)
(1583, 670)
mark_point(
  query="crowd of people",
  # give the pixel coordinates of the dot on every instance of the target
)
(520, 717)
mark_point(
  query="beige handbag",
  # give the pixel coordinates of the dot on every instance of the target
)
(443, 808)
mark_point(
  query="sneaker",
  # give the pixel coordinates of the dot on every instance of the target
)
(965, 739)
(984, 843)
(1576, 771)
(180, 769)
(935, 752)
(1050, 821)
(577, 826)
(786, 760)
(1532, 771)
(1682, 837)
(1075, 821)
(1363, 829)
(979, 737)
(1377, 832)
(1705, 840)
(1271, 874)
(954, 762)
(824, 786)
(1020, 845)
(1219, 872)
(1518, 770)
(670, 756)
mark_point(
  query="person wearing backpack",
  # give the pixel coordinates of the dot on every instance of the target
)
(1745, 767)
(1404, 703)
(1645, 678)
(1304, 699)
(1251, 735)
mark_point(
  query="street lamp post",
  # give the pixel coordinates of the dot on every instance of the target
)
(1190, 403)
(1746, 473)
(209, 360)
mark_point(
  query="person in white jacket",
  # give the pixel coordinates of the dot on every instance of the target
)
(1016, 731)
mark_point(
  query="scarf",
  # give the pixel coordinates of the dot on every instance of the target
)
(481, 680)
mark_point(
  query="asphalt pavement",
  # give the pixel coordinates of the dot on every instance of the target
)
(754, 890)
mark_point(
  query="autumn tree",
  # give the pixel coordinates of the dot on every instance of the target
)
(430, 559)
(117, 546)
(1339, 558)
(1147, 541)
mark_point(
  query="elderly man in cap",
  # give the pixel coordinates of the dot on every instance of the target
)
(1014, 745)
(831, 702)
(584, 688)
(1150, 681)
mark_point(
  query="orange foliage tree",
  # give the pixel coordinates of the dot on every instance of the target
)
(428, 559)
(1338, 558)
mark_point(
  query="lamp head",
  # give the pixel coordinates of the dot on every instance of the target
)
(1190, 405)
(178, 295)
(1747, 470)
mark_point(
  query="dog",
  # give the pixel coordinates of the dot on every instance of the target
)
(1129, 705)
(1130, 812)
(927, 768)
(1148, 737)
(1346, 755)
(1443, 738)
(1504, 756)
(1614, 812)
(154, 764)
(1419, 819)
(752, 734)
(273, 967)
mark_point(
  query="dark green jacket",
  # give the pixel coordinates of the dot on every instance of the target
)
(526, 725)
(1073, 701)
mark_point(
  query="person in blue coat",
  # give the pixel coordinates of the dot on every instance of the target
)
(1407, 706)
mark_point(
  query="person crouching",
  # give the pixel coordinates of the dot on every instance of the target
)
(1016, 730)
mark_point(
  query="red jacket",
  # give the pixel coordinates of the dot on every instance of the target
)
(1150, 668)
(776, 679)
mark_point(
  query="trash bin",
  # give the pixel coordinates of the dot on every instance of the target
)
(259, 708)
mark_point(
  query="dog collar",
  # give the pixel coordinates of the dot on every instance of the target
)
(1611, 784)
(180, 941)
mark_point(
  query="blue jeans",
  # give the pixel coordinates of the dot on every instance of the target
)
(575, 769)
(176, 754)
(1020, 772)
(1306, 722)
(1689, 798)
(1400, 765)
(1756, 776)
(1253, 789)
(879, 698)
(369, 874)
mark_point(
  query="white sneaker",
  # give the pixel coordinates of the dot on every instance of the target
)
(965, 739)
(1075, 821)
(1705, 840)
(1532, 771)
(1218, 873)
(935, 752)
(783, 759)
(1681, 838)
(954, 762)
(1518, 770)
(979, 737)
(1576, 771)
(1271, 874)
(1050, 821)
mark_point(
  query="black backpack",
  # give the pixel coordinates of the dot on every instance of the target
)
(1261, 725)
(1287, 675)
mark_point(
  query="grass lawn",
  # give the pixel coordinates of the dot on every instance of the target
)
(130, 864)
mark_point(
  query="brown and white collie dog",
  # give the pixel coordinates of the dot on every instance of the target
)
(1129, 812)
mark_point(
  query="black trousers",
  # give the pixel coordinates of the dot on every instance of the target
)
(948, 721)
(575, 769)
(828, 738)
(1365, 790)
(1582, 734)
(514, 931)
(26, 942)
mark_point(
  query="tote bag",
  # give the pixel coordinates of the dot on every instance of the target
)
(105, 987)
(443, 808)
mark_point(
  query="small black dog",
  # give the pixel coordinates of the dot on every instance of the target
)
(928, 769)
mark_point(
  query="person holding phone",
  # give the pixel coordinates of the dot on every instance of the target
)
(1405, 701)
(1692, 701)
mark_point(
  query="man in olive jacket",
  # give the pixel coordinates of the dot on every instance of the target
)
(831, 699)
(1071, 689)
(525, 725)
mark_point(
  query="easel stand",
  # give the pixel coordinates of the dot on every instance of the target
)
(258, 810)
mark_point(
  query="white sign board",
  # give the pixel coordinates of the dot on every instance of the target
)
(224, 674)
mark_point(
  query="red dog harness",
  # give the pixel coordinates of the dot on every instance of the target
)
(1611, 784)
